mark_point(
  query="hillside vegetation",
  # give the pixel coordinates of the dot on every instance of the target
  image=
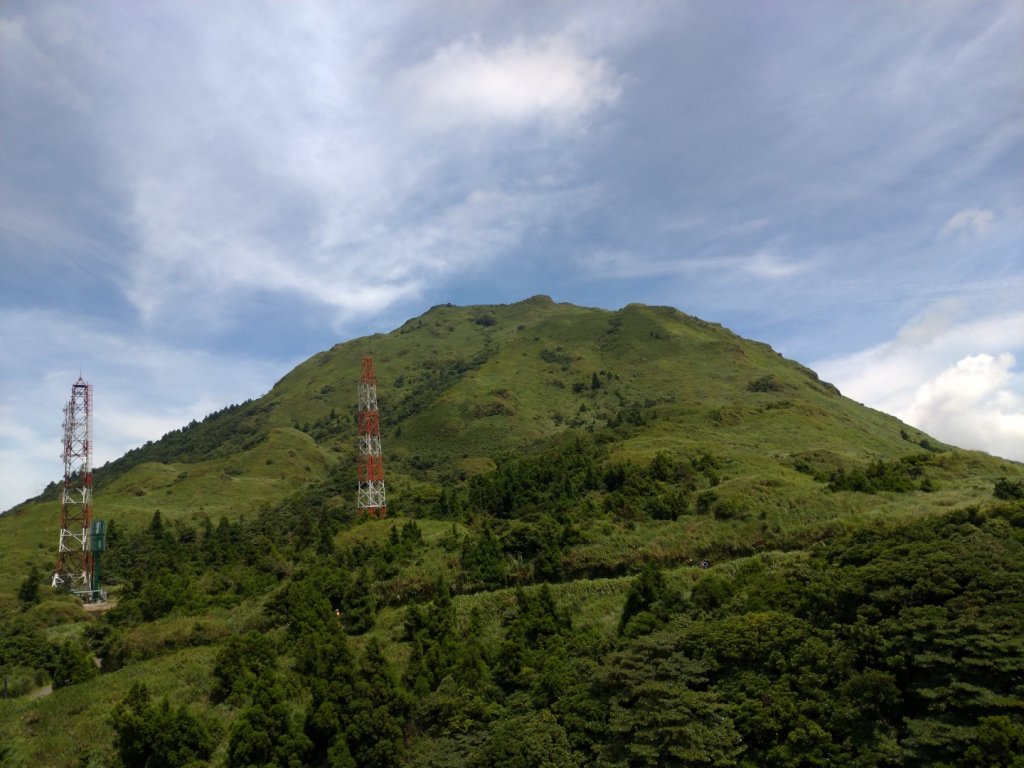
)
(614, 539)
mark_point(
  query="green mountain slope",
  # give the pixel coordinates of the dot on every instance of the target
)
(633, 537)
(459, 385)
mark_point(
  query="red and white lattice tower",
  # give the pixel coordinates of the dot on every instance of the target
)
(370, 497)
(74, 560)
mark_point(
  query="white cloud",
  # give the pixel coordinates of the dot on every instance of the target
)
(976, 221)
(279, 153)
(523, 81)
(763, 264)
(30, 455)
(951, 376)
(973, 404)
(770, 265)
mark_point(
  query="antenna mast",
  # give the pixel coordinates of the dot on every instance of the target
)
(74, 569)
(370, 497)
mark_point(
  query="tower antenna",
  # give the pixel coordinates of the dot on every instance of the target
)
(370, 498)
(74, 569)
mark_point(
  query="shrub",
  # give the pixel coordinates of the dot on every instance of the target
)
(151, 735)
(1008, 491)
(242, 660)
(72, 665)
(764, 384)
(28, 593)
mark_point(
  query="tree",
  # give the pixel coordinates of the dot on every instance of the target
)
(482, 558)
(265, 733)
(539, 616)
(23, 644)
(359, 607)
(999, 744)
(327, 666)
(1008, 490)
(535, 740)
(240, 662)
(305, 610)
(72, 665)
(28, 593)
(148, 735)
(659, 712)
(156, 526)
(374, 731)
(159, 595)
(645, 602)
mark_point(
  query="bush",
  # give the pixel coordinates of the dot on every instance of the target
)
(242, 660)
(28, 593)
(527, 740)
(898, 476)
(265, 734)
(23, 644)
(647, 602)
(1008, 491)
(151, 735)
(764, 384)
(669, 506)
(19, 681)
(72, 665)
(51, 613)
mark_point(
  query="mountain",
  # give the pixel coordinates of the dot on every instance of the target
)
(618, 490)
(459, 385)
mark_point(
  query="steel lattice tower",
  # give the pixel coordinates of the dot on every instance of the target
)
(74, 569)
(370, 498)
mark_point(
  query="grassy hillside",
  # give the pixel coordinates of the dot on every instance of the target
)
(461, 386)
(633, 536)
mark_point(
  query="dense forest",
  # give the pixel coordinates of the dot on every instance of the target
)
(889, 645)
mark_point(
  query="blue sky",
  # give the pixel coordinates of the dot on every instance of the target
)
(195, 196)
